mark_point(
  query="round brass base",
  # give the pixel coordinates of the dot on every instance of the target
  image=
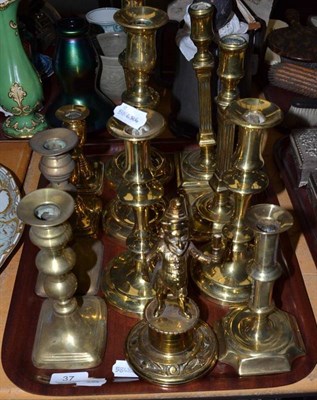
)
(123, 286)
(227, 283)
(171, 367)
(256, 349)
(195, 168)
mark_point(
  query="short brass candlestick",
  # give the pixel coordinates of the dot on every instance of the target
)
(227, 281)
(140, 24)
(57, 165)
(124, 286)
(68, 335)
(260, 338)
(214, 209)
(172, 345)
(198, 166)
(87, 177)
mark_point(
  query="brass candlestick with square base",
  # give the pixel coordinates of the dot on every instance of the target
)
(259, 338)
(70, 334)
(227, 280)
(172, 345)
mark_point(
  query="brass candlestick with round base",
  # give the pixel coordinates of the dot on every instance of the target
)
(70, 334)
(227, 280)
(211, 211)
(172, 345)
(259, 338)
(197, 167)
(123, 284)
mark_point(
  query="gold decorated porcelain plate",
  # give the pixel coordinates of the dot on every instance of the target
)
(11, 227)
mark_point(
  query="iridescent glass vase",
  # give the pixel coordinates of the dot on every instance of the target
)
(76, 65)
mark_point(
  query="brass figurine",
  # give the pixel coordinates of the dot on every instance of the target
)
(259, 338)
(171, 345)
(227, 281)
(70, 334)
(197, 167)
(214, 209)
(123, 284)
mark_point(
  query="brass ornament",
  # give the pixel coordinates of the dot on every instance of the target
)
(259, 338)
(171, 345)
(70, 334)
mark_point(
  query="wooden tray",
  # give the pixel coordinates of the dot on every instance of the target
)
(290, 295)
(299, 195)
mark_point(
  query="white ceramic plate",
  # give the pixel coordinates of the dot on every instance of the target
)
(11, 227)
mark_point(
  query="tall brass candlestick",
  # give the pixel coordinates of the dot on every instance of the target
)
(70, 334)
(259, 338)
(140, 24)
(197, 167)
(227, 281)
(124, 286)
(214, 209)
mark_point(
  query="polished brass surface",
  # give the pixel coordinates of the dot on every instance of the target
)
(123, 284)
(171, 345)
(198, 166)
(70, 334)
(260, 338)
(87, 177)
(214, 209)
(227, 281)
(140, 24)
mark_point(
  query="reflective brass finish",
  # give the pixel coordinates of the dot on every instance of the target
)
(260, 338)
(227, 281)
(214, 209)
(68, 335)
(171, 345)
(57, 165)
(123, 285)
(198, 166)
(140, 24)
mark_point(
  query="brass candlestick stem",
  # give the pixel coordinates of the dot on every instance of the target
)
(227, 281)
(214, 209)
(124, 286)
(68, 335)
(172, 345)
(57, 165)
(198, 166)
(140, 24)
(259, 338)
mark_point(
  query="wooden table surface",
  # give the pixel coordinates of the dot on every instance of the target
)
(17, 157)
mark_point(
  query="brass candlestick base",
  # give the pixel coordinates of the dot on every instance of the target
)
(259, 338)
(70, 334)
(171, 349)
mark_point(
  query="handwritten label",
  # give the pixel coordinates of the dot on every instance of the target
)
(76, 378)
(121, 369)
(130, 116)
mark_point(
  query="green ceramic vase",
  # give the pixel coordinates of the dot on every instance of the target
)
(20, 89)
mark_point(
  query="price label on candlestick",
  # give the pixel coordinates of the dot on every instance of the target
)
(130, 115)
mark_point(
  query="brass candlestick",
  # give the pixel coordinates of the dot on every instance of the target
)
(57, 165)
(68, 335)
(124, 286)
(140, 24)
(172, 345)
(197, 167)
(227, 281)
(259, 338)
(214, 209)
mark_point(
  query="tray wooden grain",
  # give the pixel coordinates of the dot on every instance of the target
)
(289, 294)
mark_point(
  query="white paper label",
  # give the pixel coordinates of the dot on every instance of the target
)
(121, 369)
(130, 116)
(76, 378)
(68, 378)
